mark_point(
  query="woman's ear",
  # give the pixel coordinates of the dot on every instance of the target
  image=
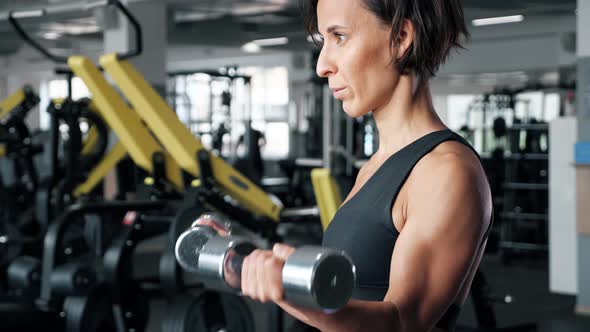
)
(405, 38)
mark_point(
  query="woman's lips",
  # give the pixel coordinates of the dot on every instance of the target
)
(338, 92)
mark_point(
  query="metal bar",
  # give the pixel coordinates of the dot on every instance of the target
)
(484, 129)
(208, 72)
(526, 186)
(360, 163)
(519, 156)
(336, 135)
(523, 246)
(136, 29)
(327, 126)
(313, 211)
(528, 216)
(540, 126)
(69, 8)
(309, 162)
(349, 143)
(279, 181)
(28, 13)
(527, 156)
(12, 19)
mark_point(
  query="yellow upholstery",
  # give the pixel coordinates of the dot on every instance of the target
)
(327, 194)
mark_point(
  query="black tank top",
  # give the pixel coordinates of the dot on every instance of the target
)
(363, 226)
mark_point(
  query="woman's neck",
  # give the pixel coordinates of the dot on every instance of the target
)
(407, 116)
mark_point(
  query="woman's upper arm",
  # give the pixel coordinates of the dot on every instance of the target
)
(448, 212)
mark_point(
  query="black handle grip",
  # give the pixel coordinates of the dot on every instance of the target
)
(234, 262)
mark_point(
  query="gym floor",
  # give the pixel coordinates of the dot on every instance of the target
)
(528, 283)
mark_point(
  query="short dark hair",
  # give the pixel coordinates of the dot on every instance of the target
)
(439, 26)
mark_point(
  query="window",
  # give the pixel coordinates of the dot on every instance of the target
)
(56, 89)
(205, 102)
(478, 114)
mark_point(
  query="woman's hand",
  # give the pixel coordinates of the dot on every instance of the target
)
(262, 273)
(262, 281)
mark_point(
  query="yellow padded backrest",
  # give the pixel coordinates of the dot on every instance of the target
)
(327, 194)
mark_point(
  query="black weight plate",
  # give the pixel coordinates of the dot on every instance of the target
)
(11, 243)
(188, 313)
(91, 313)
(170, 274)
(24, 273)
(98, 231)
(136, 308)
(72, 279)
(74, 241)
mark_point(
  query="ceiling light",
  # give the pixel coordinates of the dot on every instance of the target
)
(72, 28)
(28, 13)
(51, 35)
(498, 20)
(184, 17)
(251, 47)
(271, 41)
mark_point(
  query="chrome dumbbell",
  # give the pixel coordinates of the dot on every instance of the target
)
(312, 276)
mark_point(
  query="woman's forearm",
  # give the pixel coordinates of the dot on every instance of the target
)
(355, 316)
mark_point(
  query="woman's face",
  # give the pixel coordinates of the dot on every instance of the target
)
(356, 56)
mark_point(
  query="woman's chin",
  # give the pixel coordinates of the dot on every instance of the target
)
(352, 111)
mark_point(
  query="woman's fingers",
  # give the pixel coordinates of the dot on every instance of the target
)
(262, 276)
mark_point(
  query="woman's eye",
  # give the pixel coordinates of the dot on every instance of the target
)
(340, 37)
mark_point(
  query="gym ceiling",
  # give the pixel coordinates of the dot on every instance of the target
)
(234, 21)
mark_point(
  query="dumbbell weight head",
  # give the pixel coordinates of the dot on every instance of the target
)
(208, 225)
(221, 225)
(215, 259)
(214, 248)
(224, 226)
(189, 244)
(318, 277)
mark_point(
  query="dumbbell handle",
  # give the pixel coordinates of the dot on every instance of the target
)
(312, 276)
(232, 266)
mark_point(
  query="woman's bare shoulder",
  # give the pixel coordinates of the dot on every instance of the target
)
(451, 175)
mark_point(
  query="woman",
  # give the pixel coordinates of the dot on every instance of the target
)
(416, 221)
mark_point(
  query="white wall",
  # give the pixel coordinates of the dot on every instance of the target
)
(563, 253)
(191, 58)
(534, 44)
(505, 55)
(583, 25)
(440, 105)
(3, 87)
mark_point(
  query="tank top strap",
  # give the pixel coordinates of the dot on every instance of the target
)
(401, 164)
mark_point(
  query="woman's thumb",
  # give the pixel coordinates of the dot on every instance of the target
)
(282, 251)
